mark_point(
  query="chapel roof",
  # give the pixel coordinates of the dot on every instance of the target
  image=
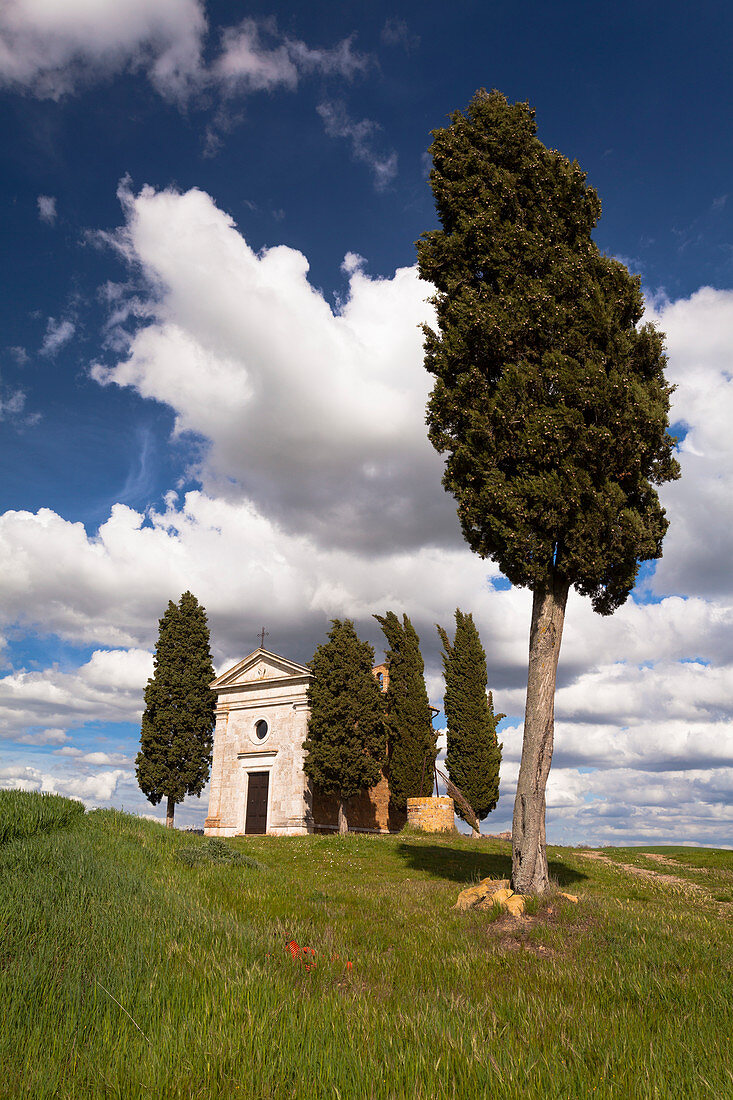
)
(260, 665)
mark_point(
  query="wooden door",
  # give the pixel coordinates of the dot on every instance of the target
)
(256, 820)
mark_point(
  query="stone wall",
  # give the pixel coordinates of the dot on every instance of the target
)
(381, 675)
(369, 811)
(431, 815)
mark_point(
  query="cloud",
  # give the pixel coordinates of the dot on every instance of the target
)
(51, 49)
(12, 405)
(90, 789)
(47, 209)
(650, 745)
(396, 32)
(339, 60)
(12, 409)
(139, 480)
(58, 333)
(352, 262)
(247, 64)
(644, 721)
(97, 784)
(315, 417)
(39, 707)
(54, 49)
(700, 506)
(625, 805)
(629, 805)
(361, 135)
(82, 757)
(40, 737)
(690, 691)
(110, 589)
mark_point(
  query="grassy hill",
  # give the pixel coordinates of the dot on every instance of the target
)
(140, 962)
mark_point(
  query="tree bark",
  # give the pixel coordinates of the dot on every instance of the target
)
(529, 857)
(343, 826)
(169, 811)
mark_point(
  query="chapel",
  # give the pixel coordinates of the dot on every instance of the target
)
(257, 780)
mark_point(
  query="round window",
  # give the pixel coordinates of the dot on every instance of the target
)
(261, 729)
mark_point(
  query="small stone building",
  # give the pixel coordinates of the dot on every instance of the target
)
(257, 780)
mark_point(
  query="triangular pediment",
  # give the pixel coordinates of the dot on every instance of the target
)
(258, 668)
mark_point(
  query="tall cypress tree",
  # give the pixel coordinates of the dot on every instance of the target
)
(177, 733)
(474, 754)
(549, 400)
(346, 739)
(410, 734)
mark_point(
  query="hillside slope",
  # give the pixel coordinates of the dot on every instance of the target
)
(137, 961)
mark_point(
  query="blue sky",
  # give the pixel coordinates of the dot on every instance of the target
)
(210, 370)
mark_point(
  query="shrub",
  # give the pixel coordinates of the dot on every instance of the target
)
(216, 851)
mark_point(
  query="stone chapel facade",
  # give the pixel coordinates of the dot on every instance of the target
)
(257, 780)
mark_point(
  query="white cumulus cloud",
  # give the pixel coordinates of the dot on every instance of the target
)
(317, 417)
(700, 506)
(38, 707)
(91, 789)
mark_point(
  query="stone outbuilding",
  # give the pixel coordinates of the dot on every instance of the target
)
(257, 780)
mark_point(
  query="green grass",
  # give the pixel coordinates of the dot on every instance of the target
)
(716, 859)
(710, 868)
(126, 971)
(22, 814)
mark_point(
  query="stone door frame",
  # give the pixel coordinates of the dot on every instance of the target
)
(255, 762)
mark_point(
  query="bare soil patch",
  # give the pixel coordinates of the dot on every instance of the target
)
(655, 856)
(513, 934)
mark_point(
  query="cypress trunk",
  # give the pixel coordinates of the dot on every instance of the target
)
(169, 811)
(343, 825)
(529, 856)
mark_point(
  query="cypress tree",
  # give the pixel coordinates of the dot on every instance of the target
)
(346, 739)
(549, 399)
(411, 739)
(177, 732)
(474, 754)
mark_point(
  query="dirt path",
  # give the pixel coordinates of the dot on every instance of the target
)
(680, 884)
(665, 860)
(722, 876)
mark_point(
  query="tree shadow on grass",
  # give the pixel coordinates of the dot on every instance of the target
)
(464, 865)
